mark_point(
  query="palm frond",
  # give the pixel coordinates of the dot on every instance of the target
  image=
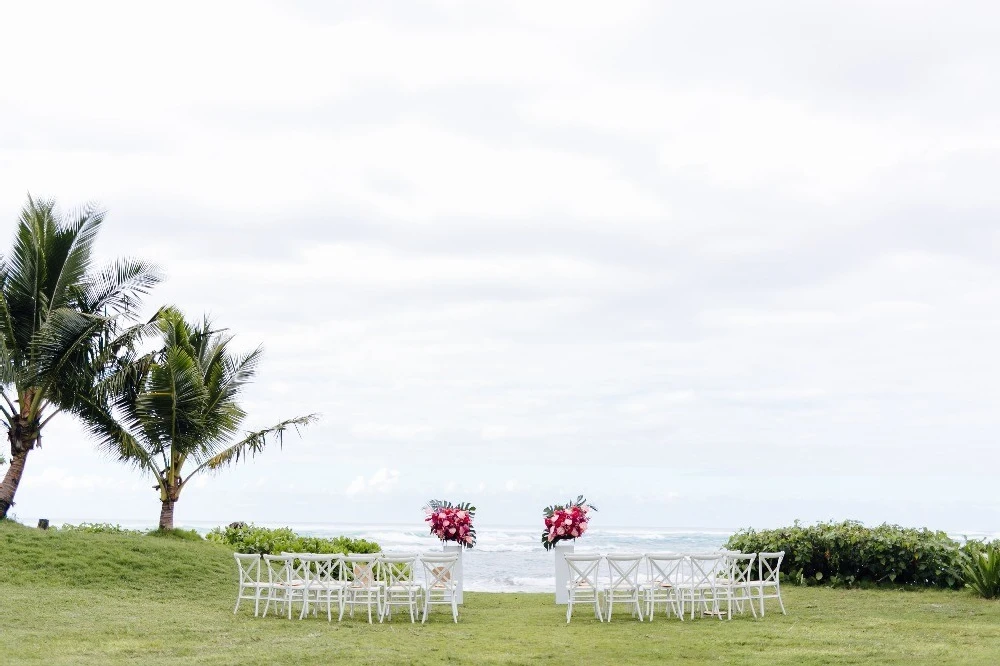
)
(255, 443)
(118, 288)
(69, 258)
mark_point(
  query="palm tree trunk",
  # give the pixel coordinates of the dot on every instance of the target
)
(11, 480)
(167, 515)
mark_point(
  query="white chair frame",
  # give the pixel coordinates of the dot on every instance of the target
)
(401, 587)
(248, 565)
(584, 584)
(363, 586)
(623, 583)
(662, 583)
(285, 581)
(441, 587)
(769, 568)
(739, 581)
(323, 582)
(704, 586)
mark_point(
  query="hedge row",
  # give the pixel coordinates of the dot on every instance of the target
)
(849, 553)
(248, 538)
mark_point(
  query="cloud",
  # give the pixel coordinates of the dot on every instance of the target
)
(381, 482)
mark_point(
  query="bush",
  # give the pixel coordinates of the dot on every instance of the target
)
(849, 553)
(97, 528)
(176, 533)
(981, 570)
(245, 538)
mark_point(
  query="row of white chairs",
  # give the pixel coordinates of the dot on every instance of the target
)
(706, 581)
(379, 582)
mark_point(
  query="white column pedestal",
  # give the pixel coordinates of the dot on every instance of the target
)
(561, 549)
(455, 549)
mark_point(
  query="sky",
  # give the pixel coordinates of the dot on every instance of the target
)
(717, 264)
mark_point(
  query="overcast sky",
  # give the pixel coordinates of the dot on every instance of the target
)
(711, 264)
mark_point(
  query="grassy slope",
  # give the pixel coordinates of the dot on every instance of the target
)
(106, 599)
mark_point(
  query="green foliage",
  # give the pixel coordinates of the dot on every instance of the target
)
(98, 528)
(849, 554)
(244, 538)
(981, 570)
(176, 533)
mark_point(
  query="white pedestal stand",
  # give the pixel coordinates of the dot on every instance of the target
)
(455, 549)
(561, 549)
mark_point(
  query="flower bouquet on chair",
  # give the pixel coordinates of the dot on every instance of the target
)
(566, 521)
(452, 522)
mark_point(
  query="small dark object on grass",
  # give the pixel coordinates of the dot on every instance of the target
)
(237, 525)
(43, 523)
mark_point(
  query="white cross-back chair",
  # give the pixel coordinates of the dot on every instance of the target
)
(623, 584)
(441, 587)
(583, 585)
(362, 587)
(401, 586)
(664, 576)
(738, 578)
(286, 581)
(251, 586)
(323, 584)
(768, 583)
(704, 589)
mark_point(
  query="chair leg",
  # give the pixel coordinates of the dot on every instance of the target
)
(569, 609)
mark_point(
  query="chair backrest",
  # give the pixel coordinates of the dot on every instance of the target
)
(583, 570)
(249, 568)
(704, 568)
(741, 567)
(361, 570)
(323, 568)
(439, 570)
(664, 569)
(624, 570)
(398, 570)
(769, 565)
(278, 568)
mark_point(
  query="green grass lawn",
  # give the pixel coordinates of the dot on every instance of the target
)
(74, 598)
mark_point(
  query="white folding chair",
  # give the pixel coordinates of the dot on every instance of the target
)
(401, 587)
(362, 585)
(285, 579)
(704, 586)
(769, 578)
(738, 579)
(251, 585)
(662, 584)
(583, 585)
(441, 587)
(623, 585)
(323, 583)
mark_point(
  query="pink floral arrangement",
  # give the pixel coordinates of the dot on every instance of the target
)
(452, 522)
(566, 521)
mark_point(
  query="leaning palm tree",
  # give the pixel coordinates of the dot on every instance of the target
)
(62, 323)
(177, 408)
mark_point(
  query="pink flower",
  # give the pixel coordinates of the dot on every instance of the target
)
(560, 531)
(575, 532)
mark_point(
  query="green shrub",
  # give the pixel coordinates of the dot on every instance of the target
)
(176, 533)
(849, 553)
(245, 538)
(97, 528)
(981, 570)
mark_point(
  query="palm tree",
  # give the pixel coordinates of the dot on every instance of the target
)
(178, 407)
(61, 323)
